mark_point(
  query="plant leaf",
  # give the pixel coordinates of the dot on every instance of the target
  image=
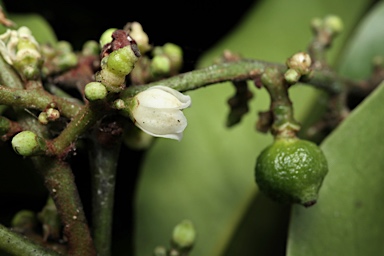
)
(348, 218)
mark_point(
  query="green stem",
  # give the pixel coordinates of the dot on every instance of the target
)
(247, 69)
(85, 119)
(284, 123)
(60, 182)
(37, 99)
(17, 244)
(103, 162)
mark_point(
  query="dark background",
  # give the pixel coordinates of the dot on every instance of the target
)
(193, 25)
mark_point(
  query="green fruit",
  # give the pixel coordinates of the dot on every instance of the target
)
(291, 170)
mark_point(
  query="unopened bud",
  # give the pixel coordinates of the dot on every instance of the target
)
(184, 234)
(95, 91)
(27, 143)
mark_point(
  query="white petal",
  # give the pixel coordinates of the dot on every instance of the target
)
(163, 97)
(168, 123)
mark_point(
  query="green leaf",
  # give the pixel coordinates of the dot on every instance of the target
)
(40, 28)
(348, 218)
(208, 177)
(365, 44)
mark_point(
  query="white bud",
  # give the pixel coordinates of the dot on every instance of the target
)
(158, 112)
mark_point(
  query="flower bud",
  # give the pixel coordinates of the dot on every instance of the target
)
(90, 48)
(301, 62)
(116, 66)
(292, 76)
(141, 38)
(95, 91)
(158, 111)
(27, 143)
(106, 37)
(25, 54)
(334, 23)
(184, 234)
(160, 65)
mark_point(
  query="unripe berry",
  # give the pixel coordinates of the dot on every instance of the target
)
(291, 170)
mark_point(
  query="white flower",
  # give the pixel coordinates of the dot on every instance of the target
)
(158, 112)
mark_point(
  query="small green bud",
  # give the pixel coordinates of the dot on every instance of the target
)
(116, 66)
(316, 24)
(95, 91)
(24, 220)
(334, 23)
(27, 143)
(64, 47)
(160, 251)
(184, 234)
(160, 65)
(66, 60)
(5, 125)
(43, 118)
(90, 47)
(106, 37)
(292, 76)
(122, 61)
(119, 104)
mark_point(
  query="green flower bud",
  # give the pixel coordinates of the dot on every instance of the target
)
(184, 235)
(5, 125)
(106, 37)
(95, 91)
(334, 23)
(292, 76)
(90, 47)
(291, 170)
(27, 143)
(43, 118)
(160, 65)
(64, 46)
(66, 60)
(24, 220)
(116, 66)
(160, 251)
(119, 104)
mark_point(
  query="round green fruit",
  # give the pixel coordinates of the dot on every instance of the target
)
(291, 170)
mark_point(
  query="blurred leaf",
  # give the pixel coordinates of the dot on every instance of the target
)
(208, 177)
(40, 28)
(348, 219)
(366, 43)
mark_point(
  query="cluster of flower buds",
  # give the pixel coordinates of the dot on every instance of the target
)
(58, 58)
(20, 49)
(298, 65)
(119, 56)
(165, 61)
